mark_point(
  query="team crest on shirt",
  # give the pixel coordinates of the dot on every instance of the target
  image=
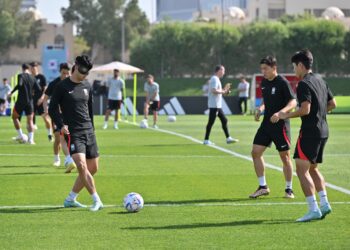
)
(86, 93)
(72, 147)
(273, 91)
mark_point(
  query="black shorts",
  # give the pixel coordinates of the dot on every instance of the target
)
(114, 104)
(279, 136)
(39, 110)
(27, 108)
(54, 127)
(310, 149)
(155, 105)
(2, 101)
(82, 143)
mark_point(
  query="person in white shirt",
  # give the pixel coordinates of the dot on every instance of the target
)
(5, 90)
(115, 96)
(152, 99)
(243, 94)
(215, 105)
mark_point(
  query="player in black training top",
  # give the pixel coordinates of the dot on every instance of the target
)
(39, 98)
(74, 97)
(315, 101)
(277, 96)
(59, 142)
(26, 84)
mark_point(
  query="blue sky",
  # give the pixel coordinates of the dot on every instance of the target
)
(51, 9)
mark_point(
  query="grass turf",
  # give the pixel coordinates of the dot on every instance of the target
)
(167, 169)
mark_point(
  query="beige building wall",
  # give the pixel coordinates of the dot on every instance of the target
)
(52, 34)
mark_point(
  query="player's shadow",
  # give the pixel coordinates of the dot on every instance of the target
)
(189, 202)
(24, 166)
(30, 210)
(28, 173)
(211, 225)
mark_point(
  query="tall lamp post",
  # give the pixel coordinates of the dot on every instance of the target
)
(120, 14)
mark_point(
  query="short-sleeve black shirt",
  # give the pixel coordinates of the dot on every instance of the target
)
(52, 85)
(276, 94)
(41, 81)
(314, 90)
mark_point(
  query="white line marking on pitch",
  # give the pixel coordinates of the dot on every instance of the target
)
(268, 165)
(200, 204)
(129, 156)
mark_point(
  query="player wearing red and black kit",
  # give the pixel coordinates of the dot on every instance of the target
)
(276, 95)
(313, 133)
(315, 101)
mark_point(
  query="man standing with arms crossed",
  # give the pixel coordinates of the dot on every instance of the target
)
(74, 96)
(315, 100)
(115, 96)
(277, 96)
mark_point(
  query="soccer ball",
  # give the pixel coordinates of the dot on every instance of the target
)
(133, 202)
(24, 138)
(144, 124)
(171, 118)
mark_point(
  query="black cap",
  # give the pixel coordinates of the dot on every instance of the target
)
(84, 64)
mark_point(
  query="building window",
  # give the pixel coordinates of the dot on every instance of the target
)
(346, 12)
(318, 12)
(59, 40)
(307, 11)
(276, 13)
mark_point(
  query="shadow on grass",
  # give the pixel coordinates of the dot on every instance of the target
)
(28, 173)
(189, 202)
(212, 225)
(30, 210)
(24, 166)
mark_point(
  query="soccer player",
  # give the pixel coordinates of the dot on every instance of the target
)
(277, 97)
(25, 86)
(315, 100)
(74, 97)
(59, 140)
(215, 105)
(115, 96)
(39, 98)
(152, 99)
(5, 90)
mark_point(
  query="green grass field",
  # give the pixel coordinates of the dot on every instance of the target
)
(195, 195)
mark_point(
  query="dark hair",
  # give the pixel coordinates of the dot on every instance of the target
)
(4, 79)
(33, 64)
(269, 60)
(116, 70)
(64, 66)
(304, 57)
(25, 66)
(84, 64)
(218, 67)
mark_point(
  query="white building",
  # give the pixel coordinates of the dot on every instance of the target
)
(273, 9)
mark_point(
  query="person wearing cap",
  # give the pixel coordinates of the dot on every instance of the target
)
(315, 100)
(26, 86)
(152, 99)
(74, 97)
(39, 98)
(115, 96)
(59, 140)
